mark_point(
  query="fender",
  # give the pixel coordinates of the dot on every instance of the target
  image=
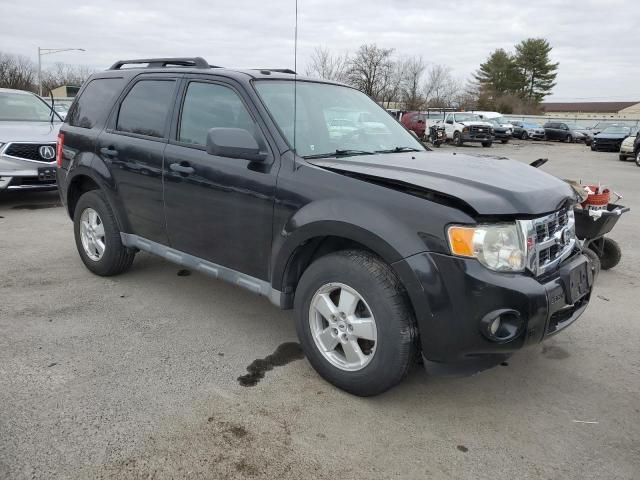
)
(356, 220)
(92, 166)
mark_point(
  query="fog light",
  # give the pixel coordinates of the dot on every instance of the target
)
(495, 325)
(502, 326)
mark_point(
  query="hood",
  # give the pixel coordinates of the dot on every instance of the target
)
(489, 185)
(29, 131)
(482, 124)
(611, 136)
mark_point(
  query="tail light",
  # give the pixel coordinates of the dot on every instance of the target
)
(59, 146)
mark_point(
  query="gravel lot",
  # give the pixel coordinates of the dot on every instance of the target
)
(136, 376)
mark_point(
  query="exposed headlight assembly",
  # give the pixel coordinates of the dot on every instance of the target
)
(500, 247)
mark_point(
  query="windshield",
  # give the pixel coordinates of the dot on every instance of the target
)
(24, 108)
(467, 117)
(502, 120)
(617, 129)
(332, 119)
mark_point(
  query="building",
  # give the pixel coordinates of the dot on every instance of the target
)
(65, 91)
(592, 109)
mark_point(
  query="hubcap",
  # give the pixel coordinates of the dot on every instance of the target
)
(92, 234)
(343, 327)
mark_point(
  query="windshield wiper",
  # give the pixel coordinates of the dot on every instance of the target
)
(399, 149)
(339, 153)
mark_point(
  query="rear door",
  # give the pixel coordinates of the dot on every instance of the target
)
(219, 209)
(133, 146)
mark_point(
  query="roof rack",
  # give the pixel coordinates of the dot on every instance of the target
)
(196, 62)
(277, 70)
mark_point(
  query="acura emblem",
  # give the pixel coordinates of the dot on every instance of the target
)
(47, 152)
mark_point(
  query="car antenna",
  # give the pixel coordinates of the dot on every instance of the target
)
(295, 80)
(53, 104)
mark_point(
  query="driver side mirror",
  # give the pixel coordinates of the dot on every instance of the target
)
(234, 143)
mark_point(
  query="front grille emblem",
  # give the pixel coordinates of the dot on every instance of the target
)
(47, 152)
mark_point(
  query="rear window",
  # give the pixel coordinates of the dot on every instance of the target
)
(145, 108)
(95, 102)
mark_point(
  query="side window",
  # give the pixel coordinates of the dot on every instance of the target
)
(208, 105)
(95, 102)
(145, 108)
(449, 119)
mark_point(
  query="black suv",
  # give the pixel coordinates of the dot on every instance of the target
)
(383, 249)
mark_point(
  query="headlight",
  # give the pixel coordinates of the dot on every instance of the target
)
(499, 247)
(465, 129)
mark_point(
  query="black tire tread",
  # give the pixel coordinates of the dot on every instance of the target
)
(611, 254)
(395, 294)
(121, 256)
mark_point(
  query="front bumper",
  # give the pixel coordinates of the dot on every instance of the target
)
(21, 174)
(451, 296)
(477, 137)
(606, 145)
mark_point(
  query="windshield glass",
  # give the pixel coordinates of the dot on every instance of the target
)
(23, 108)
(467, 117)
(617, 129)
(331, 118)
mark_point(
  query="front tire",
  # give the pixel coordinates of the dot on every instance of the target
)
(97, 236)
(457, 139)
(355, 323)
(487, 144)
(504, 140)
(638, 158)
(524, 136)
(622, 158)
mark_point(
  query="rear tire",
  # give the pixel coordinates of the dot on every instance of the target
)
(487, 144)
(504, 140)
(569, 139)
(381, 363)
(111, 258)
(638, 158)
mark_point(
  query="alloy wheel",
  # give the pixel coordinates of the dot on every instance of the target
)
(92, 234)
(343, 327)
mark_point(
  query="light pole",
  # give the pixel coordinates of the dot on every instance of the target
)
(49, 51)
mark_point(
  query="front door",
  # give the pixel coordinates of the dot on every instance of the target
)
(217, 208)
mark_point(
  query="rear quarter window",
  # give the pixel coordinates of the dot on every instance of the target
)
(94, 103)
(145, 109)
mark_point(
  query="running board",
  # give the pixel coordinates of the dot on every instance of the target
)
(234, 277)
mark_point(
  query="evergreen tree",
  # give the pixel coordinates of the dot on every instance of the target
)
(498, 75)
(537, 72)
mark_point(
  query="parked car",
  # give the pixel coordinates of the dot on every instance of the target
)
(527, 130)
(382, 248)
(28, 132)
(636, 149)
(416, 122)
(610, 139)
(563, 132)
(626, 148)
(502, 133)
(463, 127)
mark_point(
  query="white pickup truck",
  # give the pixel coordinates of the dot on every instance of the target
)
(462, 127)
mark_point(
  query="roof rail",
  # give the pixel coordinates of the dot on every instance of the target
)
(277, 70)
(196, 62)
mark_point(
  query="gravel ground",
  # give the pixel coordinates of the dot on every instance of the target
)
(136, 376)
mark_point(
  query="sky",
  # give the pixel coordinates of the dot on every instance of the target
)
(597, 43)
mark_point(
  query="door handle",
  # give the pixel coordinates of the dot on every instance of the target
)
(109, 152)
(180, 168)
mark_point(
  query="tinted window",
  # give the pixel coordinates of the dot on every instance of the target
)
(145, 108)
(206, 106)
(95, 102)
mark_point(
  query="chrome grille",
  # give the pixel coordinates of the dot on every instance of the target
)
(550, 240)
(28, 151)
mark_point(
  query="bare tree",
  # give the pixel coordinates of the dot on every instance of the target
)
(370, 70)
(327, 66)
(440, 87)
(412, 72)
(64, 74)
(16, 71)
